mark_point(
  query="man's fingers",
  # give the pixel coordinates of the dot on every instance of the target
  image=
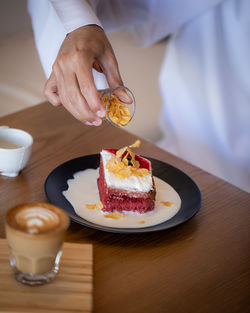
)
(71, 97)
(88, 89)
(72, 83)
(111, 71)
(51, 91)
(124, 95)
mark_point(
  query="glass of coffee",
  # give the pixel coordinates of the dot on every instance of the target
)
(119, 103)
(35, 234)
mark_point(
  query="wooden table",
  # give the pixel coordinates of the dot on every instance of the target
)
(200, 266)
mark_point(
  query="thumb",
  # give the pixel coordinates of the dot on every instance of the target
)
(112, 73)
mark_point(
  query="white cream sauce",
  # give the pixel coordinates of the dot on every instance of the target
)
(83, 190)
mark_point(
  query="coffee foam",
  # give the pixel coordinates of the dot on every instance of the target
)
(36, 218)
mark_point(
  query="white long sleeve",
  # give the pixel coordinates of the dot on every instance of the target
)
(74, 14)
(147, 20)
(52, 20)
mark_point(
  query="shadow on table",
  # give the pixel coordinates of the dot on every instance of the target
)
(180, 233)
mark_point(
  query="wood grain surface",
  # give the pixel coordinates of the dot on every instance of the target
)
(71, 291)
(201, 266)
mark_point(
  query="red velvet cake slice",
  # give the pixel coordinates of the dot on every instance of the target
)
(125, 182)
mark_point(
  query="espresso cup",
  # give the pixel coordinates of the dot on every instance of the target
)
(15, 150)
(35, 234)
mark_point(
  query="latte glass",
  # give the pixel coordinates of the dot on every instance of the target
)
(35, 234)
(119, 103)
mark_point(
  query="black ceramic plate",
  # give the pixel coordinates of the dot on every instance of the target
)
(188, 191)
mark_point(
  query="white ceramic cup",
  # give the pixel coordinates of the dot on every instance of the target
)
(15, 150)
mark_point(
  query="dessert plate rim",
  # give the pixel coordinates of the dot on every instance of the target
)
(189, 192)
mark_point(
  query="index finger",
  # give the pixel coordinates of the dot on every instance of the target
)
(88, 89)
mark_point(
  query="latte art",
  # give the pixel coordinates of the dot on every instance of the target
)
(37, 220)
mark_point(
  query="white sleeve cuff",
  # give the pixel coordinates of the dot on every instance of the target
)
(74, 14)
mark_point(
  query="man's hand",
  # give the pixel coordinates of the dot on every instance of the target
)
(71, 82)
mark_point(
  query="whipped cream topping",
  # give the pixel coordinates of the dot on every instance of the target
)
(36, 220)
(132, 183)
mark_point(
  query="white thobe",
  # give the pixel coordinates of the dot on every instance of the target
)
(204, 79)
